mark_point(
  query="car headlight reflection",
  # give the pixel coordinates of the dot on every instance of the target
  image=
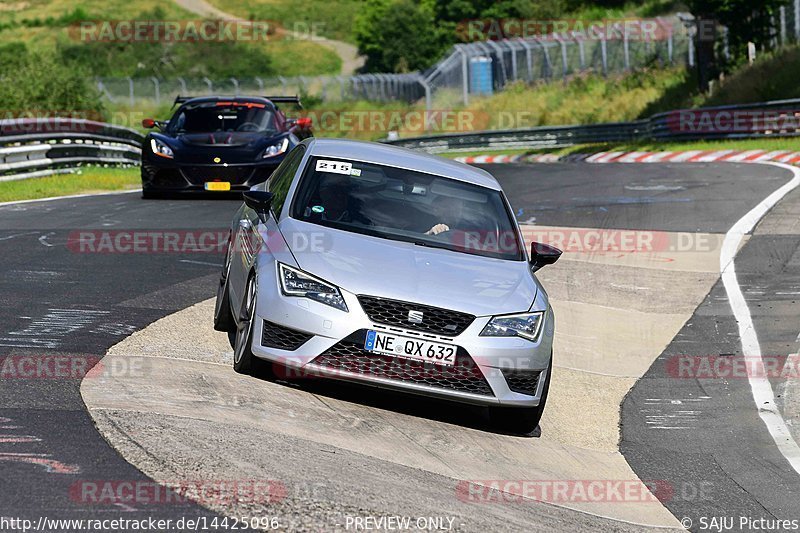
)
(295, 282)
(276, 149)
(159, 148)
(525, 325)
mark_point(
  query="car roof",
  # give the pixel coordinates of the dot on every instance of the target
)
(395, 156)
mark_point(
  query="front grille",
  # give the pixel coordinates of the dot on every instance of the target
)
(349, 355)
(277, 336)
(522, 381)
(233, 174)
(396, 313)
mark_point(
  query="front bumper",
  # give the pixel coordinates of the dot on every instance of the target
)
(319, 341)
(169, 176)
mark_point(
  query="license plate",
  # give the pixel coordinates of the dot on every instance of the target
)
(218, 186)
(397, 346)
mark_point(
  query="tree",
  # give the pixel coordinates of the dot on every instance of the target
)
(399, 36)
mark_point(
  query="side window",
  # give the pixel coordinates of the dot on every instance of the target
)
(281, 179)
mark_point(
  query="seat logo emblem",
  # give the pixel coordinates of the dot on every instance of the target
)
(217, 160)
(415, 317)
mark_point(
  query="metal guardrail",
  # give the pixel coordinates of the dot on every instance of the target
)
(32, 148)
(780, 118)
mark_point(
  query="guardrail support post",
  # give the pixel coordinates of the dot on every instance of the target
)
(130, 92)
(209, 85)
(184, 90)
(797, 19)
(581, 51)
(235, 83)
(157, 89)
(604, 55)
(427, 87)
(464, 76)
(782, 11)
(626, 49)
(260, 83)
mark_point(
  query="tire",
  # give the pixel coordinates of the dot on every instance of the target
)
(521, 420)
(223, 319)
(242, 335)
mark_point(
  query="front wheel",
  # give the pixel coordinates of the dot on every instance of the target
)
(241, 336)
(223, 321)
(521, 420)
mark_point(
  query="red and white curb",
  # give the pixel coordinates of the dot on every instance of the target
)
(687, 156)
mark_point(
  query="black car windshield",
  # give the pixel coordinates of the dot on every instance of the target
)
(210, 117)
(400, 204)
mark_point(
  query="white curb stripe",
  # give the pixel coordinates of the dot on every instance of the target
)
(608, 157)
(657, 157)
(714, 156)
(742, 155)
(683, 156)
(763, 394)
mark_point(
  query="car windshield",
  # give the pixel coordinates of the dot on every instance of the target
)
(224, 116)
(400, 204)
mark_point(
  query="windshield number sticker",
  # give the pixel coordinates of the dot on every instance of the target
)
(337, 167)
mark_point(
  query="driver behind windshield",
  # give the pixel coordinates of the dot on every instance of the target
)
(449, 212)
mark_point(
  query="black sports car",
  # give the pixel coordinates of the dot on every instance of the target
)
(218, 144)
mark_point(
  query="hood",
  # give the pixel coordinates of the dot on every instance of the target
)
(222, 139)
(367, 265)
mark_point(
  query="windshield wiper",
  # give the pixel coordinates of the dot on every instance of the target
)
(432, 245)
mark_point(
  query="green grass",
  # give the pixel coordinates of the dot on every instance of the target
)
(47, 25)
(332, 19)
(89, 179)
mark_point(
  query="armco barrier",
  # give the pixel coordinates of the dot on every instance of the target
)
(780, 118)
(38, 147)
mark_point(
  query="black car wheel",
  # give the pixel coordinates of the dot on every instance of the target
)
(223, 320)
(242, 354)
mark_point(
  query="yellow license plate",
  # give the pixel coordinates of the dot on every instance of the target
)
(218, 186)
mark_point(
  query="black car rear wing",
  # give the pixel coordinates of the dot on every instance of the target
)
(274, 99)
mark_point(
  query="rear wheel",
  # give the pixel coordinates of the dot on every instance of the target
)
(521, 420)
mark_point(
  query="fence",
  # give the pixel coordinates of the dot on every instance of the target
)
(528, 59)
(31, 148)
(779, 118)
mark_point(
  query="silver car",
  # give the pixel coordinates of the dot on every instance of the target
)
(370, 263)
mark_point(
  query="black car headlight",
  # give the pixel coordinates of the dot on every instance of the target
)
(525, 325)
(159, 148)
(276, 149)
(295, 282)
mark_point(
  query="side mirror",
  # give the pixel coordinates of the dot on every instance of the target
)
(148, 123)
(258, 201)
(543, 255)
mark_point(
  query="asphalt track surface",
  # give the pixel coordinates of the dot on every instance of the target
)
(56, 301)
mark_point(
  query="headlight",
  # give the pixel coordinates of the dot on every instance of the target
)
(159, 148)
(297, 283)
(525, 325)
(276, 149)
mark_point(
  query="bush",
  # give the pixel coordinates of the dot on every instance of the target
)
(40, 83)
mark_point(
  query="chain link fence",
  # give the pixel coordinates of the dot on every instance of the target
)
(468, 69)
